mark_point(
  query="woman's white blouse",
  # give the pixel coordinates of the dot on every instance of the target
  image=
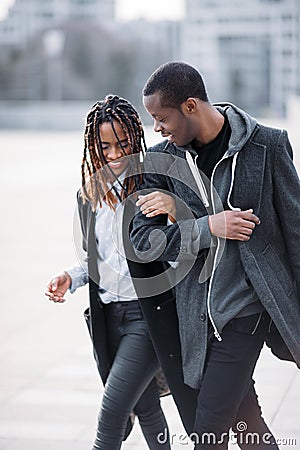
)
(115, 280)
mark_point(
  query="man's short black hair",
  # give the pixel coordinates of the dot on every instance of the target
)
(175, 82)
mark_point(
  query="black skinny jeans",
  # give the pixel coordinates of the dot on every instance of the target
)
(227, 397)
(130, 385)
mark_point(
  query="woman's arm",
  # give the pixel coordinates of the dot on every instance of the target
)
(72, 278)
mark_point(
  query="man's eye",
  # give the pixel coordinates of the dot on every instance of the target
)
(162, 120)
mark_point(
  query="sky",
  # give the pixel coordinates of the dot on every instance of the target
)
(152, 10)
(133, 9)
(4, 5)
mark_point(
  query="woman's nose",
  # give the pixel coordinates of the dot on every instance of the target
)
(115, 152)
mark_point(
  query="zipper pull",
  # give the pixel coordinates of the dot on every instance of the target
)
(217, 335)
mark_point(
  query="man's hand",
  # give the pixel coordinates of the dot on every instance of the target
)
(157, 203)
(235, 225)
(58, 286)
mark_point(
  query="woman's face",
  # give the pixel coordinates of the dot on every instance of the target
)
(113, 152)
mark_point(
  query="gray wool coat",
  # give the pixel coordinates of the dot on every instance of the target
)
(256, 172)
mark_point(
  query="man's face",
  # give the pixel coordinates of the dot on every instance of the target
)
(172, 123)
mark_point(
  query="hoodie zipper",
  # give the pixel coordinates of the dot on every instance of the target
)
(233, 167)
(204, 198)
(216, 332)
(203, 193)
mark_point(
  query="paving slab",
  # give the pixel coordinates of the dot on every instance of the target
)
(49, 387)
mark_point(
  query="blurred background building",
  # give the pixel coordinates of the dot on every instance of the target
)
(249, 52)
(27, 17)
(72, 52)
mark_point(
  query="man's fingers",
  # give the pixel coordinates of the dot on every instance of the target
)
(248, 224)
(239, 237)
(248, 215)
(254, 218)
(243, 237)
(247, 231)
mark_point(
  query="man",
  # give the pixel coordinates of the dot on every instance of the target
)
(238, 180)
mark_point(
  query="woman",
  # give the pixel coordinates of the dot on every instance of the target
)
(113, 142)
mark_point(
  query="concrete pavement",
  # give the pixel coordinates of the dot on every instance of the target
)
(49, 387)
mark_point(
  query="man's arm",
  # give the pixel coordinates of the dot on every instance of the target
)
(154, 239)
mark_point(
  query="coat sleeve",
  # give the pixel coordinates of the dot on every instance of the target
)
(79, 272)
(82, 212)
(287, 201)
(79, 275)
(154, 239)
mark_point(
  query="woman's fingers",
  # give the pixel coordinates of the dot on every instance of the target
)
(155, 203)
(57, 287)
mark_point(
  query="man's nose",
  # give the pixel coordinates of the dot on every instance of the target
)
(157, 126)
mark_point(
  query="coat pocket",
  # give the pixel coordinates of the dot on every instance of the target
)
(280, 272)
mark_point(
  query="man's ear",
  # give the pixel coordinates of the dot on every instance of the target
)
(189, 106)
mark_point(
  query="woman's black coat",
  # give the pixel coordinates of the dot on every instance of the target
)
(161, 315)
(159, 312)
(94, 315)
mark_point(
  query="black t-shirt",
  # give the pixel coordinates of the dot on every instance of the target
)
(209, 154)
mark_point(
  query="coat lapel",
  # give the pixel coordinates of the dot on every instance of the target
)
(248, 183)
(249, 176)
(185, 187)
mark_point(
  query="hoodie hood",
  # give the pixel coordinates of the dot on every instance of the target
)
(241, 123)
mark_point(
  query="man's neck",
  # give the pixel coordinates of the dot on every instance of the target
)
(211, 125)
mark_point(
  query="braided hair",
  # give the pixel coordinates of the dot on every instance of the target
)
(94, 182)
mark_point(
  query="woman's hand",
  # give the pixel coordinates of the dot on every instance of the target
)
(58, 286)
(157, 203)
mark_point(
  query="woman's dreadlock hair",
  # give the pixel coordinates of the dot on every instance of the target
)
(94, 180)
